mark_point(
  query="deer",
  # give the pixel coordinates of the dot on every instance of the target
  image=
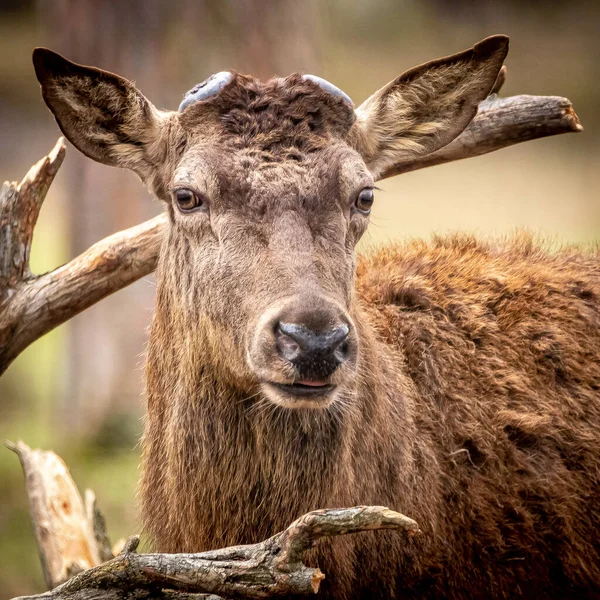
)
(455, 380)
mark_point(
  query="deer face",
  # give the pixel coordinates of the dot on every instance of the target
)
(268, 187)
(271, 201)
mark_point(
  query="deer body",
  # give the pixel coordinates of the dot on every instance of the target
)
(456, 382)
(473, 414)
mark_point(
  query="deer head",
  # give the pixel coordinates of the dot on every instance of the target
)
(268, 187)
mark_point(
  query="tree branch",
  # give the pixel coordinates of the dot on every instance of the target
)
(19, 209)
(271, 568)
(41, 303)
(499, 123)
(500, 81)
(96, 521)
(66, 537)
(31, 306)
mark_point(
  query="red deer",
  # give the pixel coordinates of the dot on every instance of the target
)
(456, 381)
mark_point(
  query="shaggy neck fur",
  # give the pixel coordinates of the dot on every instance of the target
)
(222, 445)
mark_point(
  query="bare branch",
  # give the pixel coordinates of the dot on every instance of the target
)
(270, 568)
(30, 306)
(19, 209)
(499, 123)
(64, 535)
(42, 303)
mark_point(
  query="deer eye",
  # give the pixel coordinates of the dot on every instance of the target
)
(364, 201)
(189, 201)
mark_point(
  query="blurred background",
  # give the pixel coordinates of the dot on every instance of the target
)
(79, 390)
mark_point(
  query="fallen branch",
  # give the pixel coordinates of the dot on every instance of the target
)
(31, 306)
(70, 534)
(69, 541)
(271, 568)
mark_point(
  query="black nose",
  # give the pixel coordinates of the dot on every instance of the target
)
(316, 354)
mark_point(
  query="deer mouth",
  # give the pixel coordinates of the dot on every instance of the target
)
(304, 389)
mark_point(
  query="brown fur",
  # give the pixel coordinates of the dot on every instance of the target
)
(476, 413)
(471, 401)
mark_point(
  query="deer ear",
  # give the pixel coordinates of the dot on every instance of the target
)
(426, 107)
(103, 115)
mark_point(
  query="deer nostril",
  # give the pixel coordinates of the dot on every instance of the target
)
(342, 351)
(287, 347)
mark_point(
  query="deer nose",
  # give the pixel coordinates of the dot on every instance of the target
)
(312, 351)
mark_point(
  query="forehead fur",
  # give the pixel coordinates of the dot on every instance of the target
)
(277, 116)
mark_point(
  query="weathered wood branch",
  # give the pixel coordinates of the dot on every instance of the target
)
(70, 535)
(31, 306)
(19, 209)
(268, 569)
(500, 123)
(68, 542)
